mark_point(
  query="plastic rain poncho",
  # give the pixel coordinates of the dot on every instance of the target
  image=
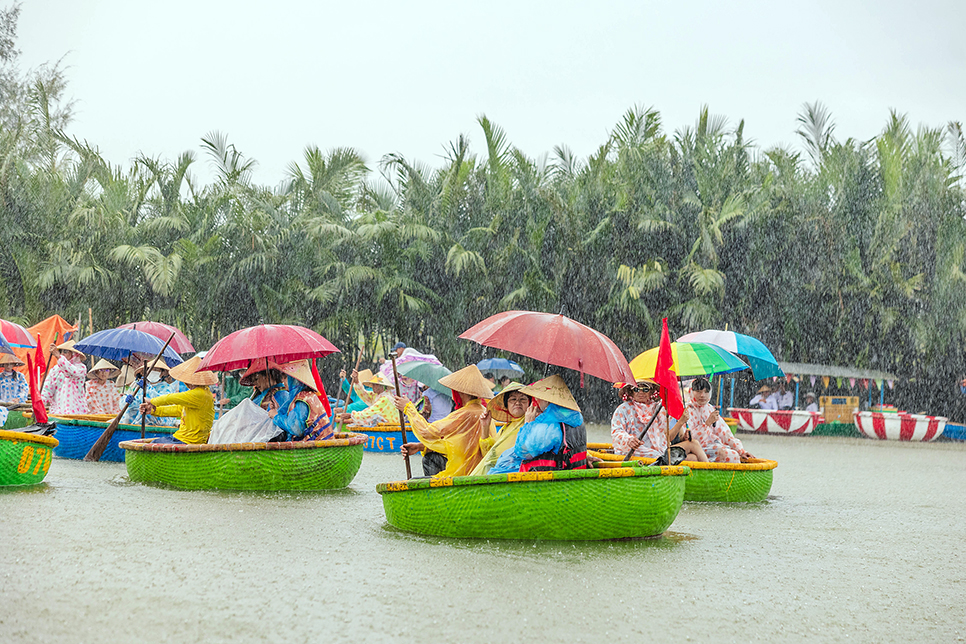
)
(542, 435)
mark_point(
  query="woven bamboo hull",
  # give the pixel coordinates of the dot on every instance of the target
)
(718, 482)
(382, 438)
(309, 465)
(24, 458)
(569, 505)
(78, 434)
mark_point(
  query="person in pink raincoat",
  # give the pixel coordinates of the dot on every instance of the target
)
(633, 415)
(64, 390)
(706, 426)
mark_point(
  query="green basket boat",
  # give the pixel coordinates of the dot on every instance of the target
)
(24, 458)
(580, 505)
(719, 482)
(305, 465)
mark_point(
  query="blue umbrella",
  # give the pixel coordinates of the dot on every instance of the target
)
(5, 347)
(500, 367)
(117, 344)
(763, 363)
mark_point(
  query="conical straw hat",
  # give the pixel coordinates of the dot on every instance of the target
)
(497, 406)
(6, 358)
(187, 372)
(365, 375)
(126, 376)
(301, 371)
(378, 379)
(161, 366)
(69, 346)
(468, 380)
(103, 364)
(553, 390)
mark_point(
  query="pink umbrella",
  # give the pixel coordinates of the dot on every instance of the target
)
(163, 331)
(16, 335)
(280, 342)
(553, 339)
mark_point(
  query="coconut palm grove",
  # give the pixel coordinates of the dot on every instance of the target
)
(838, 251)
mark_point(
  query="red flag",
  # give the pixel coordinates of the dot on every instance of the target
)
(665, 377)
(40, 414)
(318, 385)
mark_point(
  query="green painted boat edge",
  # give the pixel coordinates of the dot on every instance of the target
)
(79, 422)
(575, 505)
(729, 486)
(24, 458)
(319, 465)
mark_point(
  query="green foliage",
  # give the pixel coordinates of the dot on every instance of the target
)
(857, 256)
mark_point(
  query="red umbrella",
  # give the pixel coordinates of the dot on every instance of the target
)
(553, 339)
(180, 343)
(16, 335)
(280, 342)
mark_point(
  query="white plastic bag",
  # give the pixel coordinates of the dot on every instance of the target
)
(246, 423)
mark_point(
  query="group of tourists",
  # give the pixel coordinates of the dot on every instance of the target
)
(780, 398)
(473, 431)
(640, 426)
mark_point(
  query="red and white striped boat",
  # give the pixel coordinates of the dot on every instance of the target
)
(899, 426)
(773, 421)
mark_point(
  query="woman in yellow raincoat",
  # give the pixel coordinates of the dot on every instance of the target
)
(507, 408)
(457, 436)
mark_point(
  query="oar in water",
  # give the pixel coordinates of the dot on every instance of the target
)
(402, 419)
(97, 449)
(630, 454)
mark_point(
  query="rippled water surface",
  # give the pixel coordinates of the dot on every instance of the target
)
(860, 541)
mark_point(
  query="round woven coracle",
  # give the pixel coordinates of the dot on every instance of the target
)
(580, 505)
(304, 465)
(24, 458)
(722, 482)
(77, 434)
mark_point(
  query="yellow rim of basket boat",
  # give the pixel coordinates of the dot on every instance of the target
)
(48, 441)
(753, 465)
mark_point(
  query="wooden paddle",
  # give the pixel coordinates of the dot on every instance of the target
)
(348, 395)
(97, 449)
(402, 419)
(644, 431)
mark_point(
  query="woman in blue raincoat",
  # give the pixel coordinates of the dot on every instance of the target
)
(554, 436)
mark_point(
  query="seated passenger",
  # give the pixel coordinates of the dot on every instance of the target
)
(303, 416)
(454, 439)
(506, 410)
(13, 385)
(155, 387)
(553, 436)
(195, 407)
(63, 390)
(102, 394)
(267, 383)
(784, 399)
(810, 404)
(640, 405)
(381, 409)
(706, 426)
(764, 399)
(354, 391)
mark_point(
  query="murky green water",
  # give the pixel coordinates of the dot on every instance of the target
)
(861, 541)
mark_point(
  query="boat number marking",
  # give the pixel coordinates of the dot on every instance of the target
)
(27, 459)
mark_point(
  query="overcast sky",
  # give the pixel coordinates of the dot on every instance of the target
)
(411, 76)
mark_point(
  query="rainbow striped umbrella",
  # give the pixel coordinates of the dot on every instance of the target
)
(690, 359)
